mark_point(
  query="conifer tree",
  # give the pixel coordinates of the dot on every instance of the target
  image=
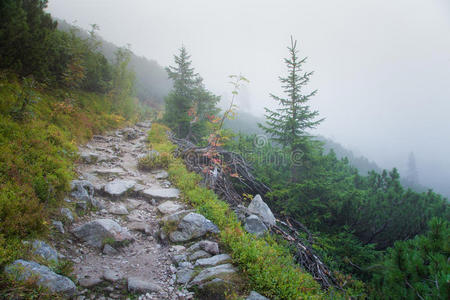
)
(189, 103)
(289, 123)
(180, 99)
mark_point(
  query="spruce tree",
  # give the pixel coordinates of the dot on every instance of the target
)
(289, 123)
(189, 103)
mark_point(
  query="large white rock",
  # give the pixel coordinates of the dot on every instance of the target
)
(213, 272)
(254, 225)
(118, 187)
(192, 226)
(213, 260)
(96, 232)
(169, 207)
(259, 208)
(160, 193)
(139, 285)
(23, 270)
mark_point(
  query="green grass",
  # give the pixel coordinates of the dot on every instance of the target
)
(269, 267)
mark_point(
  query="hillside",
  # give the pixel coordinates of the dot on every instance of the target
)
(152, 83)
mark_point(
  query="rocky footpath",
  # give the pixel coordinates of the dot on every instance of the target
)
(130, 237)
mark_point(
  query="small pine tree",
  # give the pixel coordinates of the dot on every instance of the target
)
(289, 123)
(188, 104)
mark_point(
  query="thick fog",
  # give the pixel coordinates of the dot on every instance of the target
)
(382, 67)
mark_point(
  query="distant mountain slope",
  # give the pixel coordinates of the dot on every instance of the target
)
(152, 83)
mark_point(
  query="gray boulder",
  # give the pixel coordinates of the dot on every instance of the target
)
(216, 289)
(118, 209)
(138, 285)
(192, 226)
(23, 270)
(213, 272)
(161, 193)
(253, 224)
(255, 296)
(199, 254)
(184, 275)
(176, 217)
(96, 232)
(213, 260)
(82, 190)
(118, 187)
(259, 208)
(44, 250)
(66, 213)
(208, 246)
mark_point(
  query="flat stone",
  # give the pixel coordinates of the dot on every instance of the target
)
(176, 217)
(213, 272)
(23, 270)
(138, 285)
(255, 296)
(178, 258)
(184, 275)
(139, 226)
(169, 207)
(262, 210)
(199, 254)
(161, 193)
(133, 204)
(118, 209)
(254, 225)
(192, 226)
(118, 187)
(208, 246)
(96, 232)
(213, 260)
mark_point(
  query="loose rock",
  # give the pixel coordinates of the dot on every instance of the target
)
(23, 270)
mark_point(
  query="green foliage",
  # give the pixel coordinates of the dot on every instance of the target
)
(289, 123)
(269, 267)
(417, 268)
(189, 104)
